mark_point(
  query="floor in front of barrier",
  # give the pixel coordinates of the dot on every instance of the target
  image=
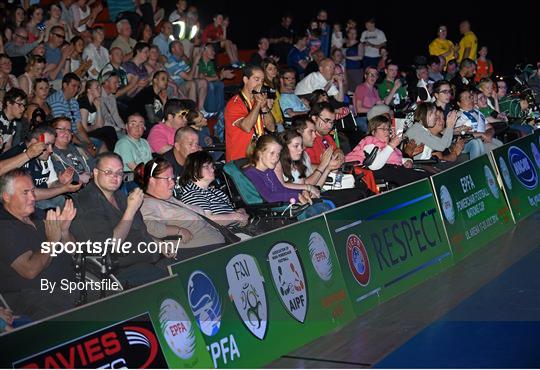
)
(483, 312)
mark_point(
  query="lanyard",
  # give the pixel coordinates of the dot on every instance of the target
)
(259, 126)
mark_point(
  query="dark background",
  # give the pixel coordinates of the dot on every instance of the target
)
(510, 29)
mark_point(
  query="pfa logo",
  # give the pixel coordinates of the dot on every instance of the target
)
(246, 290)
(447, 205)
(177, 328)
(204, 302)
(289, 279)
(358, 260)
(320, 256)
(523, 167)
(492, 184)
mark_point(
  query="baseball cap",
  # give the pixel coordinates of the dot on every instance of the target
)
(377, 110)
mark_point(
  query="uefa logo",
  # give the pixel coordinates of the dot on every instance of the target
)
(523, 167)
(447, 205)
(204, 302)
(358, 260)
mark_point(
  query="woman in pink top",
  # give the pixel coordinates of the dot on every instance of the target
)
(366, 95)
(389, 164)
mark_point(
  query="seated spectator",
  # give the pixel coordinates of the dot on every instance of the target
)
(49, 184)
(463, 79)
(40, 93)
(262, 53)
(323, 115)
(515, 108)
(325, 79)
(105, 213)
(263, 162)
(135, 66)
(13, 104)
(196, 121)
(451, 70)
(215, 34)
(473, 121)
(313, 66)
(215, 99)
(7, 79)
(271, 80)
(366, 95)
(90, 104)
(186, 141)
(96, 53)
(163, 39)
(66, 155)
(133, 148)
(161, 136)
(84, 16)
(22, 262)
(298, 57)
(127, 85)
(34, 69)
(109, 105)
(75, 63)
(389, 164)
(57, 52)
(442, 92)
(435, 66)
(290, 103)
(56, 18)
(390, 89)
(184, 75)
(124, 41)
(149, 102)
(246, 114)
(196, 190)
(20, 46)
(166, 216)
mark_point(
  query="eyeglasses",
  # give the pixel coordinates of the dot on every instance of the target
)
(111, 173)
(24, 37)
(59, 35)
(165, 178)
(209, 166)
(21, 105)
(66, 130)
(182, 113)
(372, 74)
(444, 92)
(328, 121)
(387, 129)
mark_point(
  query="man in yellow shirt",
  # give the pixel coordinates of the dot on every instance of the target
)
(469, 43)
(441, 46)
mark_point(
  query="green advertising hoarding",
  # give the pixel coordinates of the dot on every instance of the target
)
(518, 164)
(472, 204)
(260, 299)
(388, 243)
(148, 327)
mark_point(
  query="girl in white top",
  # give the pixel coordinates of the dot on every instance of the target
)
(34, 69)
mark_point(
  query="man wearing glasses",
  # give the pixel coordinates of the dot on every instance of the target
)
(14, 104)
(161, 136)
(324, 116)
(19, 45)
(106, 213)
(442, 91)
(56, 55)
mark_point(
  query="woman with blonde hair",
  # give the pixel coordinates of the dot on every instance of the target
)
(34, 69)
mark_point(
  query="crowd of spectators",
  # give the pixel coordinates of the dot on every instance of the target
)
(107, 137)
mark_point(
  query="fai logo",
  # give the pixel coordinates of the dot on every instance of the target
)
(505, 173)
(129, 344)
(447, 205)
(320, 256)
(536, 154)
(289, 279)
(492, 184)
(522, 167)
(246, 290)
(177, 328)
(358, 260)
(204, 302)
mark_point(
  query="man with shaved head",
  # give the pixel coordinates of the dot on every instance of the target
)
(326, 78)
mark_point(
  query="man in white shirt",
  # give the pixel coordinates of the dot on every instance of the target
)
(325, 79)
(373, 39)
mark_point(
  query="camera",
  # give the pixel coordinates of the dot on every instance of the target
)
(270, 93)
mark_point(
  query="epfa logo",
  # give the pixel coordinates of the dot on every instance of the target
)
(246, 290)
(358, 260)
(447, 205)
(129, 344)
(492, 184)
(177, 328)
(505, 173)
(320, 256)
(289, 279)
(204, 302)
(523, 167)
(536, 154)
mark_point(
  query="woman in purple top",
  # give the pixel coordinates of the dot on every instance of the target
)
(264, 159)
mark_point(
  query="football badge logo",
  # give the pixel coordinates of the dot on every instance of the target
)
(320, 256)
(492, 184)
(204, 302)
(505, 173)
(358, 260)
(246, 290)
(177, 328)
(289, 279)
(447, 205)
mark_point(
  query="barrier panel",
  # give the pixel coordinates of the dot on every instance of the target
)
(473, 206)
(148, 327)
(518, 164)
(389, 243)
(264, 297)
